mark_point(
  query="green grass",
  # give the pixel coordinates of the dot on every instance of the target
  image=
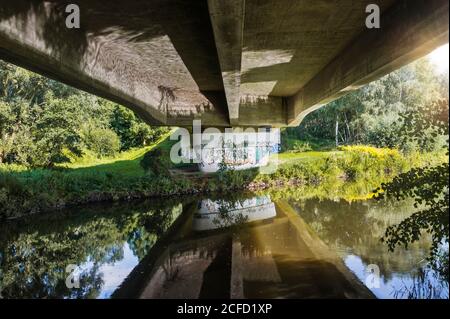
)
(351, 171)
(285, 158)
(126, 163)
(314, 144)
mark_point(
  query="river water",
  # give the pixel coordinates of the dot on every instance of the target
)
(246, 246)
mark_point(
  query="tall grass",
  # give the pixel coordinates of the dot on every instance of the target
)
(352, 171)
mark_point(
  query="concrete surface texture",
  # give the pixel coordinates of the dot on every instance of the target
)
(227, 63)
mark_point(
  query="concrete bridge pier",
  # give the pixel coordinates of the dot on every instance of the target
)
(238, 149)
(227, 148)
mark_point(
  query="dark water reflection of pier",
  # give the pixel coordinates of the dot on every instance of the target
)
(251, 248)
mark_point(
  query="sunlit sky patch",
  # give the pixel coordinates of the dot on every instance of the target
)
(439, 58)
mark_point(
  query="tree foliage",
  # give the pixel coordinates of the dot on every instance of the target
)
(428, 186)
(132, 131)
(34, 256)
(375, 114)
(42, 121)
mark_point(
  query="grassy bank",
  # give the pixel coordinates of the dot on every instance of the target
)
(349, 172)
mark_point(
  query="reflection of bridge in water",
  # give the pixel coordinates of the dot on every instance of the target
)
(219, 214)
(272, 253)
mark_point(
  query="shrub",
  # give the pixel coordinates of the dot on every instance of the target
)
(102, 141)
(133, 132)
(367, 161)
(153, 162)
(300, 146)
(295, 146)
(239, 178)
(11, 184)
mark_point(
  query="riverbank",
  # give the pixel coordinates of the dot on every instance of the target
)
(350, 172)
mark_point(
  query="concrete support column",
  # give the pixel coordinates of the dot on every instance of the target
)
(237, 149)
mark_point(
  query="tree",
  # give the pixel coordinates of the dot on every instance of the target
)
(42, 121)
(57, 130)
(373, 114)
(16, 142)
(102, 141)
(131, 130)
(428, 186)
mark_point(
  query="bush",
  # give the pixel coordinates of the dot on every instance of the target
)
(295, 146)
(153, 162)
(367, 161)
(102, 141)
(11, 184)
(133, 132)
(300, 146)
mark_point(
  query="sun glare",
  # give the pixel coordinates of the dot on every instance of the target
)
(439, 58)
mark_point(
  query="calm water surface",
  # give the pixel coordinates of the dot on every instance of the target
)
(216, 247)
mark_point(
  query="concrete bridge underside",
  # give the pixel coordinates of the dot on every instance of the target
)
(228, 63)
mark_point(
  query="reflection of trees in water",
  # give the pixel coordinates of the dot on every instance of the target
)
(34, 256)
(421, 286)
(359, 189)
(358, 227)
(427, 186)
(91, 283)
